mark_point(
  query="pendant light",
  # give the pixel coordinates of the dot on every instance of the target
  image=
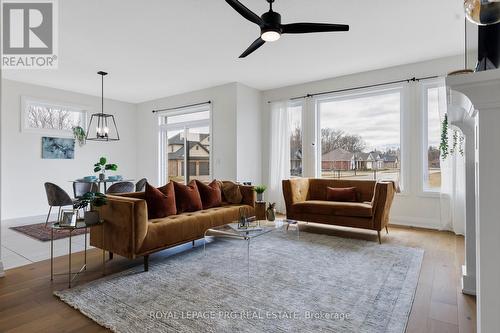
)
(102, 126)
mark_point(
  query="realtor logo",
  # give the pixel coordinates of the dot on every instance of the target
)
(29, 38)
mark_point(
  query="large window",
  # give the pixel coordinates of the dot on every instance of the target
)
(295, 127)
(185, 145)
(50, 117)
(360, 136)
(432, 135)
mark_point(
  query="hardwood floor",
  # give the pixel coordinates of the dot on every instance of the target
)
(27, 303)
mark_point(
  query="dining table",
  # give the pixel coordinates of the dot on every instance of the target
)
(104, 182)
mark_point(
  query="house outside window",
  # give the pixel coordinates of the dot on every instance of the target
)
(185, 141)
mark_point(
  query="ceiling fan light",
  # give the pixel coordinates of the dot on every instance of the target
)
(270, 36)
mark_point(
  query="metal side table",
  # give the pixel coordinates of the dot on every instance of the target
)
(79, 225)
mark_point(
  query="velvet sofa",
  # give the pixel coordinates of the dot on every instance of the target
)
(130, 233)
(305, 200)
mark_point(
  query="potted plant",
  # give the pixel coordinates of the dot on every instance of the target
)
(101, 167)
(260, 189)
(94, 199)
(79, 135)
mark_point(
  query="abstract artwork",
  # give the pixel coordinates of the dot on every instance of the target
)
(58, 148)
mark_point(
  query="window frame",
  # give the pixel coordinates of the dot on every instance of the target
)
(25, 100)
(402, 89)
(424, 86)
(164, 127)
(292, 104)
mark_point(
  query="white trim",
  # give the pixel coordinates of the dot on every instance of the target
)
(2, 272)
(48, 131)
(418, 222)
(423, 121)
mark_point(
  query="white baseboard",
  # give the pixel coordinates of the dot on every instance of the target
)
(418, 222)
(468, 283)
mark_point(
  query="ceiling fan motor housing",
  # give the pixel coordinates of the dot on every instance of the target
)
(272, 21)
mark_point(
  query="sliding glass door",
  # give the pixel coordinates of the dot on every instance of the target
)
(185, 145)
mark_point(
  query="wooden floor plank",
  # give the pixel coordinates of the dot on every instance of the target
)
(27, 303)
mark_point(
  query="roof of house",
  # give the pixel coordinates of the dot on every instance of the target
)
(338, 154)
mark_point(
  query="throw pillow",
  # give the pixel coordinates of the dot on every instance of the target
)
(346, 194)
(187, 197)
(231, 192)
(160, 202)
(210, 194)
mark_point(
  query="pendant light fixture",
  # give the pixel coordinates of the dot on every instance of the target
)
(102, 126)
(482, 12)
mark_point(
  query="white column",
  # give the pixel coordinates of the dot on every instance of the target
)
(483, 91)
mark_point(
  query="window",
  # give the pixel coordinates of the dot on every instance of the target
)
(295, 128)
(185, 141)
(360, 136)
(432, 135)
(51, 118)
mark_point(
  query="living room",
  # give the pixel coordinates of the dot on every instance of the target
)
(344, 154)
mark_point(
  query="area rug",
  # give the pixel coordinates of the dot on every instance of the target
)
(317, 283)
(42, 233)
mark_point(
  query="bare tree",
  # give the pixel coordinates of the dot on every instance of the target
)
(332, 139)
(39, 116)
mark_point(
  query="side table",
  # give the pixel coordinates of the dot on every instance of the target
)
(79, 225)
(260, 210)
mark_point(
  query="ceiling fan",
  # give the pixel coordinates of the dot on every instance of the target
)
(271, 28)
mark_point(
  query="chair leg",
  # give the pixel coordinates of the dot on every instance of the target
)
(146, 263)
(110, 255)
(193, 243)
(48, 216)
(379, 239)
(386, 230)
(59, 214)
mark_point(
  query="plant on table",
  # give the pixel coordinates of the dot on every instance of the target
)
(101, 166)
(94, 199)
(260, 189)
(79, 135)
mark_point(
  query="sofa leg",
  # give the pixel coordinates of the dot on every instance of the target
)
(146, 263)
(110, 255)
(386, 230)
(379, 239)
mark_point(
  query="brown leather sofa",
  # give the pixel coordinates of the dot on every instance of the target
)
(128, 231)
(305, 200)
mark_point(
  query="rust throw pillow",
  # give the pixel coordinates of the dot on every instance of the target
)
(343, 194)
(160, 202)
(232, 192)
(210, 194)
(187, 197)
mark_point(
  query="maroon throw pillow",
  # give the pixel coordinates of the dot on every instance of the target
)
(345, 194)
(187, 197)
(210, 194)
(160, 202)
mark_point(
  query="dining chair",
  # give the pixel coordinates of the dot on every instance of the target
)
(56, 197)
(121, 187)
(80, 188)
(139, 186)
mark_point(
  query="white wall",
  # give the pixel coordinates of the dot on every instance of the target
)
(223, 130)
(248, 147)
(411, 208)
(235, 131)
(23, 169)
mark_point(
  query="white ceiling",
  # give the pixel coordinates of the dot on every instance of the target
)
(158, 48)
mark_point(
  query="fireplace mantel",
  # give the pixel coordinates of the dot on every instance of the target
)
(474, 106)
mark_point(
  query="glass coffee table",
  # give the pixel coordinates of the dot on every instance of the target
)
(257, 229)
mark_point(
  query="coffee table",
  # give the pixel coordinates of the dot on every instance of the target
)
(260, 228)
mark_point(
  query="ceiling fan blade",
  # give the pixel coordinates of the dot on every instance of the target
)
(304, 28)
(255, 45)
(245, 12)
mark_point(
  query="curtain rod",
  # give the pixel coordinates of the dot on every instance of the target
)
(181, 107)
(413, 79)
